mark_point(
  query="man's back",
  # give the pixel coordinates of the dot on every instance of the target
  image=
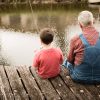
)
(76, 53)
(89, 70)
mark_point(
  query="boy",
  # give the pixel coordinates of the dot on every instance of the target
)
(47, 61)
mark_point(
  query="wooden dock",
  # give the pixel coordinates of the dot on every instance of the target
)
(22, 83)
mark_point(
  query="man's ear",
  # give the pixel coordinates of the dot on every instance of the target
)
(93, 20)
(80, 25)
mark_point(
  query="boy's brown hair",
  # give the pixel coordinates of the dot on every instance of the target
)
(46, 35)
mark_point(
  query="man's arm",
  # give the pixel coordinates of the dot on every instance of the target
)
(71, 56)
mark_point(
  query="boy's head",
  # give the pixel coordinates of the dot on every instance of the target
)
(46, 36)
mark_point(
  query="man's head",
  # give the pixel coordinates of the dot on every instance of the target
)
(85, 18)
(46, 36)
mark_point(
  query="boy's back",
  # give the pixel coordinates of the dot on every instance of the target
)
(48, 62)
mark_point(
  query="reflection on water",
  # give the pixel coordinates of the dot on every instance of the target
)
(18, 48)
(98, 8)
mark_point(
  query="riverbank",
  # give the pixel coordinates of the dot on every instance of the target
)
(8, 2)
(27, 7)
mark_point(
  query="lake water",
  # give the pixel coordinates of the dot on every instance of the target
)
(19, 36)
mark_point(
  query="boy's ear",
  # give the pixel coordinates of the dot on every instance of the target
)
(40, 41)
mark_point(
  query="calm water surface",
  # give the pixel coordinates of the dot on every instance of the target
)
(18, 31)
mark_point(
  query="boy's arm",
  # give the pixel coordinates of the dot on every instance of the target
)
(61, 56)
(36, 61)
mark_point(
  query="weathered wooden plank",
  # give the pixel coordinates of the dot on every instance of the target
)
(46, 87)
(30, 84)
(94, 91)
(78, 90)
(98, 87)
(7, 89)
(16, 85)
(2, 92)
(62, 89)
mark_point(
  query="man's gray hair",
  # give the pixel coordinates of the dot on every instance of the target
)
(85, 18)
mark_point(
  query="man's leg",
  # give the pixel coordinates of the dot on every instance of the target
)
(68, 65)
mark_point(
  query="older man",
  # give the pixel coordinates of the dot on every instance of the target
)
(83, 60)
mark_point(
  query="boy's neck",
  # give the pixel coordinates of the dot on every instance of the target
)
(45, 46)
